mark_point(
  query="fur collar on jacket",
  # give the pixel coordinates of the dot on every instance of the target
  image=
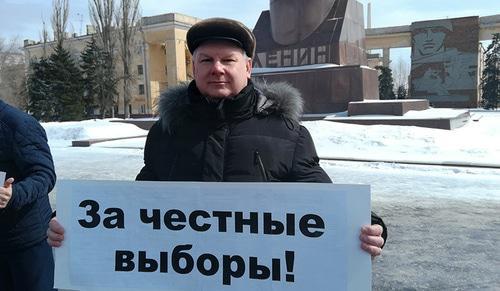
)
(278, 98)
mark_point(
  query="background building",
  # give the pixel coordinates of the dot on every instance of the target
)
(160, 58)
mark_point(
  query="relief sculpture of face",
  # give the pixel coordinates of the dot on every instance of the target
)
(429, 41)
(429, 38)
(294, 20)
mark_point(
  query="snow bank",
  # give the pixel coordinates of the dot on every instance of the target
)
(475, 142)
(65, 132)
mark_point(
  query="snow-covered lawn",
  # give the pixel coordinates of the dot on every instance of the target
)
(444, 222)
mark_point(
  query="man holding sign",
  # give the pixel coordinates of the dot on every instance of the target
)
(26, 261)
(223, 127)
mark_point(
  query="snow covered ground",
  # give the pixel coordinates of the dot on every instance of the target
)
(444, 222)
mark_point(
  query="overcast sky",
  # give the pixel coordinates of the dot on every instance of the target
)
(24, 18)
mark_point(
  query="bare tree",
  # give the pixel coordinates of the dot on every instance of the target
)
(128, 22)
(102, 15)
(44, 38)
(400, 73)
(60, 10)
(5, 50)
(11, 73)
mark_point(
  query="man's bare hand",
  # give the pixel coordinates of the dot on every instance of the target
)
(55, 233)
(6, 193)
(371, 239)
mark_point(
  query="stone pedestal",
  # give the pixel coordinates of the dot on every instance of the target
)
(326, 88)
(386, 107)
(339, 39)
(439, 118)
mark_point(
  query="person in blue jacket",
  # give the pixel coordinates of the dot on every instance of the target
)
(26, 261)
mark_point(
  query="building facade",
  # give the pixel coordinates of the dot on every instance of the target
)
(160, 59)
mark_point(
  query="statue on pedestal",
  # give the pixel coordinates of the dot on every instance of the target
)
(305, 32)
(318, 47)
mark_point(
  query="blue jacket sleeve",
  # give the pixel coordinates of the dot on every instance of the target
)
(34, 161)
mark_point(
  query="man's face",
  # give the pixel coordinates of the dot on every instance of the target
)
(220, 69)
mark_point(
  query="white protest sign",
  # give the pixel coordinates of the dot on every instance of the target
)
(2, 177)
(212, 236)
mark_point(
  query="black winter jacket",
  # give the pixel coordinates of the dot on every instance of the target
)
(24, 155)
(254, 137)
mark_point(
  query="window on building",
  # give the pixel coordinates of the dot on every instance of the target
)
(143, 108)
(140, 70)
(130, 108)
(141, 89)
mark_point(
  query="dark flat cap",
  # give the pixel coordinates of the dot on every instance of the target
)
(221, 29)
